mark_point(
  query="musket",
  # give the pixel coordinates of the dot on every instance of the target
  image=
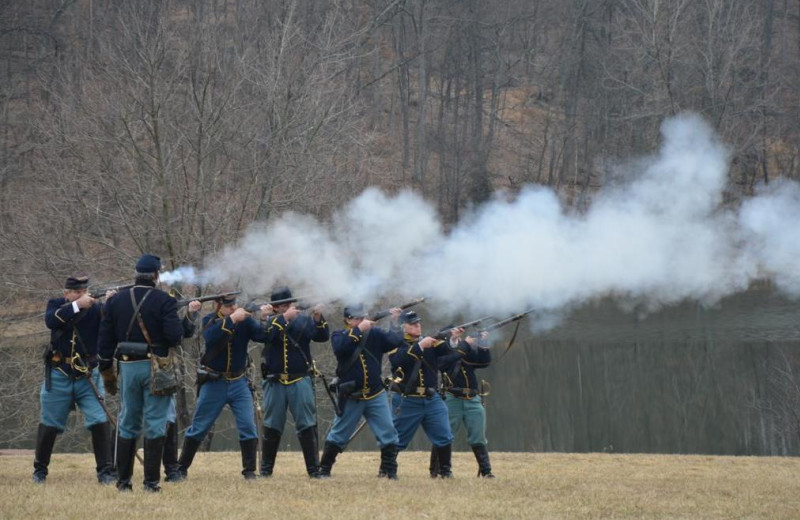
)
(255, 306)
(99, 293)
(445, 333)
(207, 298)
(510, 319)
(382, 314)
(503, 323)
(334, 401)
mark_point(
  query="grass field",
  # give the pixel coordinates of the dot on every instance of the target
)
(528, 486)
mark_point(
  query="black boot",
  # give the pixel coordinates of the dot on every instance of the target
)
(153, 452)
(171, 467)
(126, 452)
(190, 447)
(101, 444)
(329, 453)
(445, 454)
(308, 443)
(434, 466)
(45, 440)
(388, 467)
(269, 450)
(482, 456)
(249, 454)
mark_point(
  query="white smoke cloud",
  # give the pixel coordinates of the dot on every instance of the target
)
(186, 274)
(360, 256)
(771, 235)
(655, 239)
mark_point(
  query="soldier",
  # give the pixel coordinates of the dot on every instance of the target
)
(359, 350)
(415, 399)
(222, 380)
(463, 396)
(71, 378)
(171, 467)
(138, 323)
(287, 370)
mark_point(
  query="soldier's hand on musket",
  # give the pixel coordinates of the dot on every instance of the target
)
(427, 342)
(239, 315)
(267, 310)
(365, 325)
(85, 301)
(482, 340)
(317, 311)
(456, 332)
(195, 305)
(291, 313)
(396, 312)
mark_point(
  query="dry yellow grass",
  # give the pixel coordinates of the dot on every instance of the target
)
(528, 486)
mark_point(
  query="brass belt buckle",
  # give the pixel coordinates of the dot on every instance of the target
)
(283, 377)
(421, 390)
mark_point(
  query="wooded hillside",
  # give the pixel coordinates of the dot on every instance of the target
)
(169, 126)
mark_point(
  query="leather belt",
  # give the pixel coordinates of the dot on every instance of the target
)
(226, 375)
(284, 377)
(418, 391)
(467, 393)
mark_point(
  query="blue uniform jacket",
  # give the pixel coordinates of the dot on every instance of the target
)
(288, 349)
(159, 313)
(236, 336)
(405, 357)
(366, 369)
(459, 364)
(60, 316)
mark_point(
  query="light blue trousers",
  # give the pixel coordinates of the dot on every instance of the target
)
(65, 391)
(411, 412)
(138, 404)
(297, 398)
(214, 395)
(379, 418)
(471, 413)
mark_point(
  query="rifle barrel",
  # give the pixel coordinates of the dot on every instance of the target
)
(206, 298)
(99, 293)
(443, 333)
(385, 312)
(510, 319)
(256, 306)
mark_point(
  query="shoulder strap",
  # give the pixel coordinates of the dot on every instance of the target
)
(414, 377)
(295, 344)
(454, 371)
(354, 357)
(82, 350)
(208, 356)
(136, 307)
(60, 332)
